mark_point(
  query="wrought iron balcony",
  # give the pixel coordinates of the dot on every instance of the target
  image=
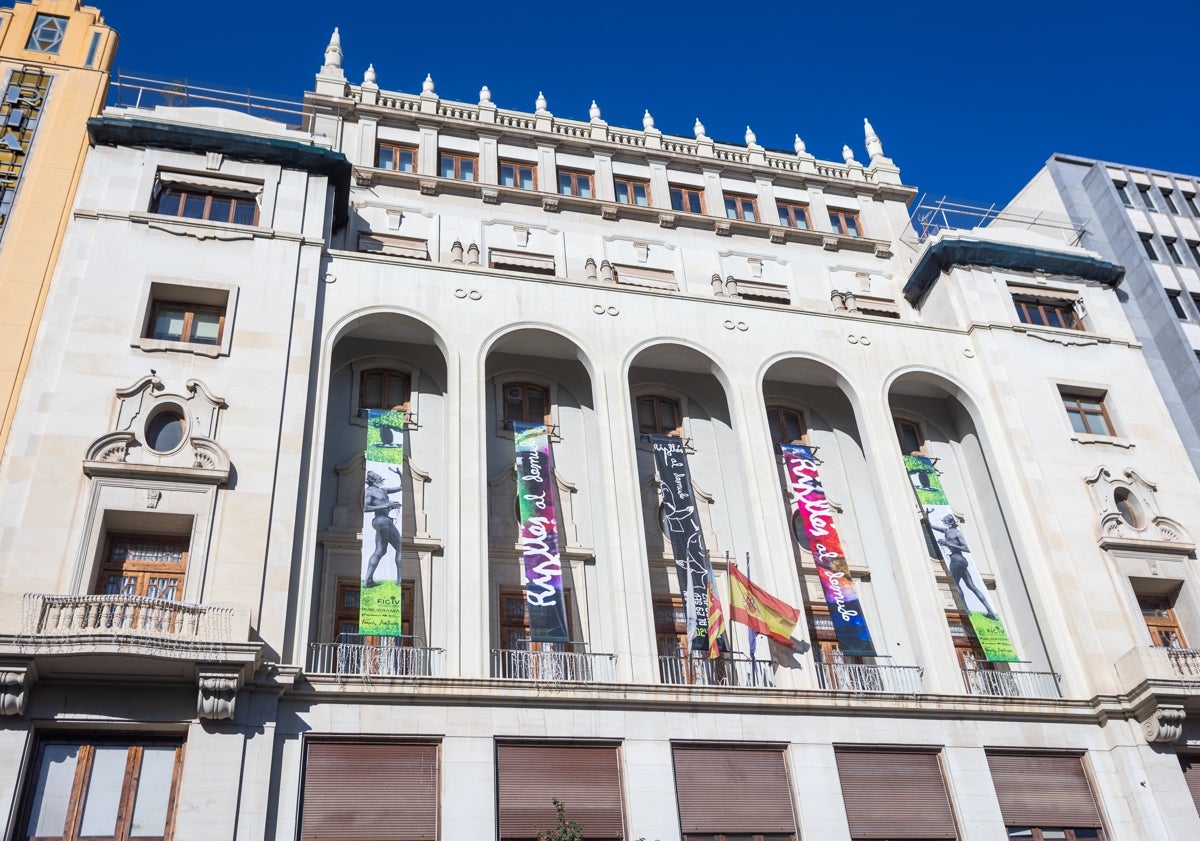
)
(383, 659)
(866, 677)
(554, 666)
(1012, 683)
(726, 670)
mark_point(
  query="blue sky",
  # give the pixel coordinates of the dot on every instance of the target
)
(969, 98)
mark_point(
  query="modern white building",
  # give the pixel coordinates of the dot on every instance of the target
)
(183, 507)
(1149, 222)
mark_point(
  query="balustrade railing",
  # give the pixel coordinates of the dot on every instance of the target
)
(726, 670)
(376, 660)
(1185, 661)
(553, 666)
(864, 677)
(1011, 683)
(75, 616)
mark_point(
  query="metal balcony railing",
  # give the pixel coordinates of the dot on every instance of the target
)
(384, 659)
(1011, 684)
(553, 666)
(864, 677)
(726, 670)
(139, 90)
(60, 616)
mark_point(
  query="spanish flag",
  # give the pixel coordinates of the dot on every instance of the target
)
(759, 610)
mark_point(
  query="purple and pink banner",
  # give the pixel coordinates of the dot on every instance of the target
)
(808, 497)
(544, 597)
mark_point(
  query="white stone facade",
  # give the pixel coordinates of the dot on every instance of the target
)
(462, 288)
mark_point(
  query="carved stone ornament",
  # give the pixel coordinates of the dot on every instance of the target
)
(1129, 515)
(124, 450)
(1164, 725)
(15, 682)
(217, 698)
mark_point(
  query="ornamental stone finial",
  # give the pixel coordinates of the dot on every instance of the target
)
(799, 146)
(427, 85)
(647, 120)
(751, 137)
(485, 95)
(874, 144)
(699, 130)
(541, 106)
(594, 111)
(848, 155)
(333, 52)
(369, 75)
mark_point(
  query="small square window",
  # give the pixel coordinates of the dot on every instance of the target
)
(383, 388)
(191, 201)
(1047, 312)
(787, 425)
(631, 191)
(1087, 412)
(659, 415)
(186, 318)
(912, 440)
(741, 207)
(1173, 252)
(175, 321)
(1147, 201)
(845, 223)
(1148, 247)
(687, 199)
(1177, 305)
(1169, 201)
(398, 158)
(526, 402)
(523, 176)
(794, 215)
(1190, 200)
(458, 167)
(1123, 192)
(571, 183)
(1194, 247)
(47, 34)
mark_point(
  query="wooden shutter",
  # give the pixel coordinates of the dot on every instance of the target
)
(370, 790)
(586, 779)
(1045, 790)
(733, 791)
(1191, 774)
(895, 794)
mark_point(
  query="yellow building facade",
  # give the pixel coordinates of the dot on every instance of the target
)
(55, 57)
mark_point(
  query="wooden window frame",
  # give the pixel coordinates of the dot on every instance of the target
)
(791, 212)
(780, 414)
(458, 158)
(656, 400)
(900, 425)
(524, 385)
(630, 185)
(675, 631)
(1029, 310)
(521, 627)
(575, 178)
(396, 149)
(386, 373)
(127, 801)
(349, 613)
(189, 315)
(1165, 623)
(143, 570)
(685, 193)
(517, 167)
(206, 214)
(1078, 398)
(736, 204)
(841, 220)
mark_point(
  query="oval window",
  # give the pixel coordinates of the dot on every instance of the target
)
(165, 431)
(798, 532)
(1128, 507)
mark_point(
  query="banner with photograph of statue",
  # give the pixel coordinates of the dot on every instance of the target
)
(379, 597)
(964, 575)
(681, 520)
(841, 594)
(544, 597)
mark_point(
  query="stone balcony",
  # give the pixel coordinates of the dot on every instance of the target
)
(82, 637)
(1163, 685)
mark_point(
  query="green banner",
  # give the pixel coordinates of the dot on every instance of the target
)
(379, 606)
(964, 575)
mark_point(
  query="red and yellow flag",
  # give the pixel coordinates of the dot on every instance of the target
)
(716, 622)
(759, 610)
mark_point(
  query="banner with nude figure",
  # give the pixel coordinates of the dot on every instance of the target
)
(544, 597)
(964, 575)
(808, 500)
(379, 597)
(681, 520)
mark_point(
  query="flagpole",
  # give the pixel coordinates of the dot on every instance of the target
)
(753, 634)
(728, 609)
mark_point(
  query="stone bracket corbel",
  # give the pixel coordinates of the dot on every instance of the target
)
(15, 683)
(217, 698)
(1164, 724)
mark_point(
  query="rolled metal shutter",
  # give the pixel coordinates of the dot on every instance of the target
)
(370, 791)
(586, 779)
(1043, 790)
(1191, 775)
(735, 791)
(895, 794)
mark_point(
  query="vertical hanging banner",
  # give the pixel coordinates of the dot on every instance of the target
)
(544, 597)
(808, 498)
(964, 575)
(681, 519)
(379, 597)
